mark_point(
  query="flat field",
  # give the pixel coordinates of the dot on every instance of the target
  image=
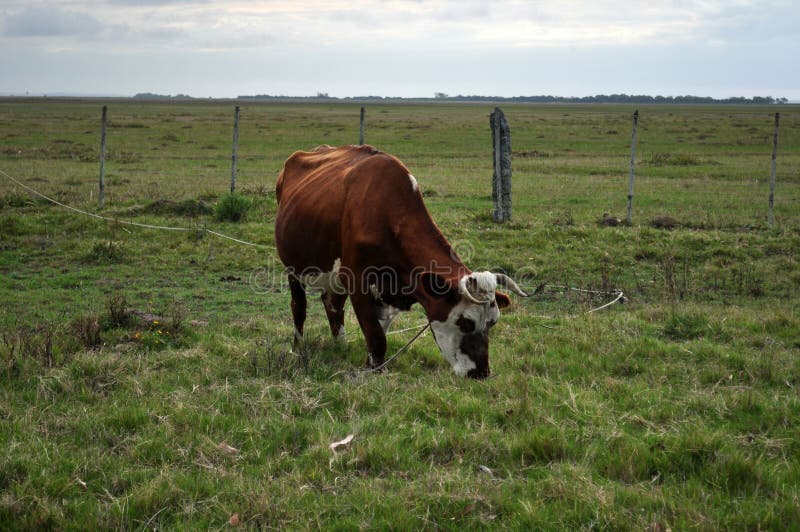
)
(146, 377)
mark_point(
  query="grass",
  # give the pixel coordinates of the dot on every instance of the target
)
(146, 377)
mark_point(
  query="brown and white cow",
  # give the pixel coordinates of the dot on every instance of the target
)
(351, 223)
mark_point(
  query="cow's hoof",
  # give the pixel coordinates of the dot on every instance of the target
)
(373, 364)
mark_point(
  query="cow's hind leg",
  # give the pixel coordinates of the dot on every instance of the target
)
(334, 308)
(298, 307)
(368, 319)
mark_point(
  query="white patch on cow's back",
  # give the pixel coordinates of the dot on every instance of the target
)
(414, 185)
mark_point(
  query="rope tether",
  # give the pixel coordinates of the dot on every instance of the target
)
(128, 222)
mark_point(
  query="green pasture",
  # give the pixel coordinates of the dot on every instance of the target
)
(146, 376)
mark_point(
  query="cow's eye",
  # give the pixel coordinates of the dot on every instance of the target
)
(466, 325)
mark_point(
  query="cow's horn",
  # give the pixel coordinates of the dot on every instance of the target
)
(507, 282)
(464, 291)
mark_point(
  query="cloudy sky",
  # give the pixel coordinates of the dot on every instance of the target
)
(400, 47)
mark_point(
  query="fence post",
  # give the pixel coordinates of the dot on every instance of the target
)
(771, 217)
(361, 129)
(102, 195)
(633, 166)
(235, 154)
(501, 180)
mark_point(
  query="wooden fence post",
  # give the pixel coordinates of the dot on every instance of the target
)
(633, 166)
(361, 129)
(771, 217)
(102, 195)
(235, 154)
(501, 180)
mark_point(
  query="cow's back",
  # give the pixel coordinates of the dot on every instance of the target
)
(311, 192)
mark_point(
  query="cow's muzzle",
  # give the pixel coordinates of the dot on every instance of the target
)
(476, 347)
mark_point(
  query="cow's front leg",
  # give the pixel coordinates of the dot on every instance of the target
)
(368, 319)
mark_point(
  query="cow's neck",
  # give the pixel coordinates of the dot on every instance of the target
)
(425, 249)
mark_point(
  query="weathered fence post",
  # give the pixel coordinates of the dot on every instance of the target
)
(771, 217)
(501, 180)
(102, 195)
(633, 166)
(361, 129)
(235, 148)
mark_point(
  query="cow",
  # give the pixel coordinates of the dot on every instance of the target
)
(351, 222)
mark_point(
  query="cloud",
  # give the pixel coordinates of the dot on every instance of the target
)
(408, 47)
(41, 21)
(138, 3)
(415, 25)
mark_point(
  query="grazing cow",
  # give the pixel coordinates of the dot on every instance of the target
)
(351, 223)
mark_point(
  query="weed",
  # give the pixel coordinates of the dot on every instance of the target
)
(107, 251)
(747, 279)
(87, 330)
(676, 276)
(38, 342)
(176, 313)
(118, 313)
(10, 345)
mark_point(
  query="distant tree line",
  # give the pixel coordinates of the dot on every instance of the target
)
(440, 96)
(151, 96)
(619, 98)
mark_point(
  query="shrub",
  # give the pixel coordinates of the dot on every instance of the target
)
(232, 207)
(189, 207)
(106, 251)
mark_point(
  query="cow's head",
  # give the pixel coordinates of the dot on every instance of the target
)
(462, 315)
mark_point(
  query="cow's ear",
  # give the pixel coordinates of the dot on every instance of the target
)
(502, 300)
(436, 287)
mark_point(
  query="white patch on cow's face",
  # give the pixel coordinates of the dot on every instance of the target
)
(449, 334)
(414, 185)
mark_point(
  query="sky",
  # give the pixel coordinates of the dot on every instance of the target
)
(406, 48)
